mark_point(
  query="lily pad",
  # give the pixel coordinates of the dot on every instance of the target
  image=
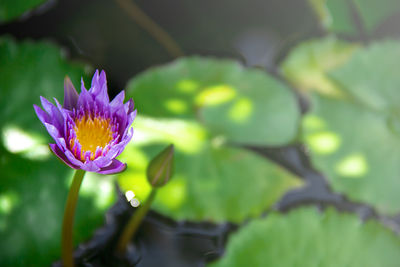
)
(32, 200)
(214, 183)
(245, 106)
(339, 16)
(372, 77)
(11, 9)
(356, 150)
(306, 238)
(29, 70)
(355, 141)
(213, 180)
(34, 184)
(307, 65)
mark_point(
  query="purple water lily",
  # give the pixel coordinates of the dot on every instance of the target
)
(89, 131)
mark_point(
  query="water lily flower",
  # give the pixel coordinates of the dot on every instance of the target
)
(89, 131)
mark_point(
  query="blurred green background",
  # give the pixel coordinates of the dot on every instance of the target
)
(219, 79)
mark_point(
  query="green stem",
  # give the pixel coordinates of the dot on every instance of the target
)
(134, 223)
(68, 221)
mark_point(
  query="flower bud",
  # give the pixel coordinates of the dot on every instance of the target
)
(161, 167)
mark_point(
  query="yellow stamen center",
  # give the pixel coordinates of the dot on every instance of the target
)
(91, 133)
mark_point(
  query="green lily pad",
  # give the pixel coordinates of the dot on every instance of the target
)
(34, 184)
(355, 140)
(213, 180)
(29, 70)
(371, 76)
(11, 9)
(306, 238)
(356, 149)
(244, 106)
(307, 65)
(338, 15)
(32, 199)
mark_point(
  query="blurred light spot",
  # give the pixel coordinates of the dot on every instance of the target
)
(187, 136)
(18, 141)
(312, 122)
(218, 141)
(187, 86)
(176, 106)
(352, 166)
(129, 195)
(241, 110)
(323, 142)
(215, 95)
(99, 188)
(135, 202)
(174, 193)
(7, 202)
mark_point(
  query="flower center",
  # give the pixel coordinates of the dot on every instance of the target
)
(92, 133)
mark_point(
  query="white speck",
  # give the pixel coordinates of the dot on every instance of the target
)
(135, 202)
(129, 195)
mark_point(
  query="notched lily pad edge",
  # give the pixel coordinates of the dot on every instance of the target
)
(317, 190)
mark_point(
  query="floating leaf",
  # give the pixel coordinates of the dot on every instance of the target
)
(372, 76)
(307, 65)
(356, 141)
(11, 9)
(340, 15)
(213, 180)
(306, 238)
(29, 70)
(245, 106)
(356, 150)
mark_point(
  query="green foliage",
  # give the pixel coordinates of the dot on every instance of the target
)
(34, 184)
(27, 71)
(355, 140)
(307, 65)
(202, 106)
(340, 16)
(306, 238)
(372, 77)
(11, 9)
(244, 106)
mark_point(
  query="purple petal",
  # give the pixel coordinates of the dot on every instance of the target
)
(103, 161)
(70, 94)
(85, 100)
(115, 167)
(43, 116)
(118, 148)
(55, 115)
(58, 152)
(46, 105)
(128, 106)
(72, 158)
(118, 101)
(90, 166)
(83, 88)
(53, 131)
(131, 118)
(99, 88)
